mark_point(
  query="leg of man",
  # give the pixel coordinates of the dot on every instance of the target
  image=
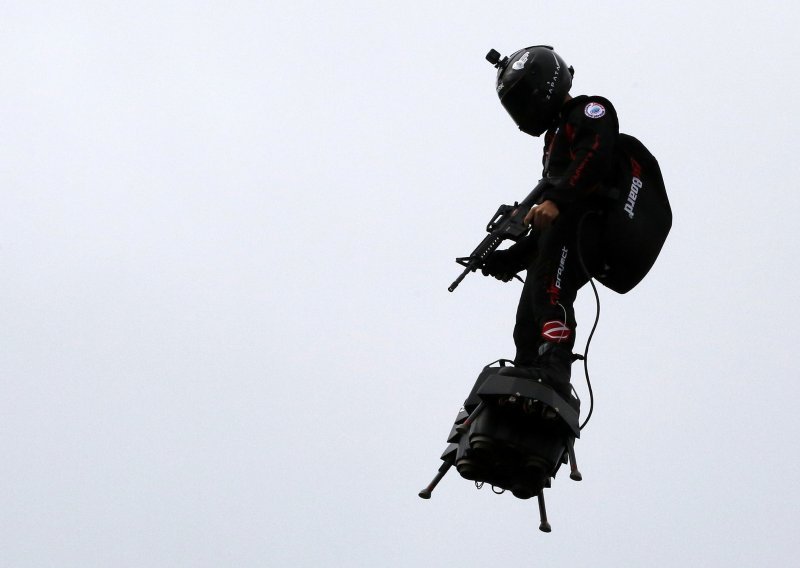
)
(545, 316)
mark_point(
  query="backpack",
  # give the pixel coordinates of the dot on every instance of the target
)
(637, 219)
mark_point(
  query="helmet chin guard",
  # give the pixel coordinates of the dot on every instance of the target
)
(532, 84)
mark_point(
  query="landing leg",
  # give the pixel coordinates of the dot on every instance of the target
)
(574, 474)
(426, 493)
(463, 428)
(544, 526)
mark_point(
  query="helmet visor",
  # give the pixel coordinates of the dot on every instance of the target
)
(520, 101)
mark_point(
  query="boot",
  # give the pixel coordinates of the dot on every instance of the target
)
(555, 367)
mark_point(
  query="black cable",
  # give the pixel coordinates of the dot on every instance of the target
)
(585, 356)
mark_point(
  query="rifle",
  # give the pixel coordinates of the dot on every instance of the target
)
(507, 223)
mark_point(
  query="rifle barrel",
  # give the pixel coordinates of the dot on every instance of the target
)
(458, 280)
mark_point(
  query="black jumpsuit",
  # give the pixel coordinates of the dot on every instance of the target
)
(579, 155)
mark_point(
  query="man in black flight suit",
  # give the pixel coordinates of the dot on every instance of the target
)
(581, 134)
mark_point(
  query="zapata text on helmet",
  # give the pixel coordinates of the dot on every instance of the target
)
(552, 83)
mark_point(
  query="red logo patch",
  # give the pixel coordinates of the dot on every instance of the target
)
(556, 331)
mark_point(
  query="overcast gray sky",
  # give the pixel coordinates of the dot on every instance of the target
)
(226, 235)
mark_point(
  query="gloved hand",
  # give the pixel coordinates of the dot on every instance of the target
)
(502, 264)
(542, 215)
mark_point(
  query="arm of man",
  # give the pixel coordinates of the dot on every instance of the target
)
(591, 129)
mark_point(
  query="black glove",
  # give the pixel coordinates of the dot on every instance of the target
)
(502, 264)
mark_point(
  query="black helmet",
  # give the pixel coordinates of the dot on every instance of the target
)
(532, 84)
